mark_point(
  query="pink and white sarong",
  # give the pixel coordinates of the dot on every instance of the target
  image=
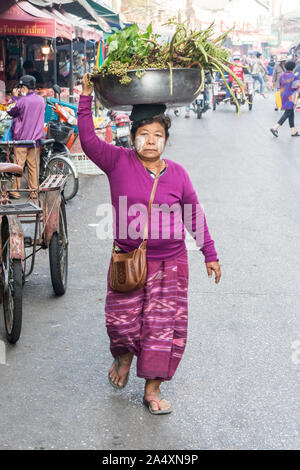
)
(152, 322)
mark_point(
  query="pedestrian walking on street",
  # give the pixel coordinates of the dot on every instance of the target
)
(151, 322)
(279, 69)
(258, 69)
(289, 85)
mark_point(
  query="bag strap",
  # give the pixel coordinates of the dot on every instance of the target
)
(145, 235)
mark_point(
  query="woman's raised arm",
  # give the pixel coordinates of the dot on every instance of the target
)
(102, 154)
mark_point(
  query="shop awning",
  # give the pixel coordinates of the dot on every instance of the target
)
(87, 9)
(292, 15)
(84, 9)
(23, 19)
(112, 18)
(81, 29)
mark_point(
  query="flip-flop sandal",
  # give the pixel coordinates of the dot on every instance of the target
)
(295, 135)
(116, 386)
(274, 132)
(157, 400)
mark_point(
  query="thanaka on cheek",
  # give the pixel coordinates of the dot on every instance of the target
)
(160, 145)
(139, 143)
(141, 140)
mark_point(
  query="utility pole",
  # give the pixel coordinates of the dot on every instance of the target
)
(189, 11)
(148, 12)
(116, 6)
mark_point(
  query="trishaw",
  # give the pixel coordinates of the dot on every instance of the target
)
(26, 227)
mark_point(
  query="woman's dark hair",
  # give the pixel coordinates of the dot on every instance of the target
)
(162, 119)
(290, 65)
(28, 64)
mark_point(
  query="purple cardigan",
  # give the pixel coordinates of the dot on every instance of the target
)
(288, 88)
(131, 186)
(28, 117)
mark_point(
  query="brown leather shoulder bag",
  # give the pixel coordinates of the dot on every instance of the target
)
(128, 271)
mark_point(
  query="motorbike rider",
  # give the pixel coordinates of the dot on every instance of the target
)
(237, 68)
(27, 111)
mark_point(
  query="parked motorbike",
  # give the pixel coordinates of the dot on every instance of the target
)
(201, 103)
(220, 93)
(120, 128)
(56, 159)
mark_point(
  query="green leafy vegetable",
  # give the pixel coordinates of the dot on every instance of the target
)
(130, 49)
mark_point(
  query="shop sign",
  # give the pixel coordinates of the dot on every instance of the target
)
(36, 29)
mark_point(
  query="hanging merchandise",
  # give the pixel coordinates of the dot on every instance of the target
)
(100, 54)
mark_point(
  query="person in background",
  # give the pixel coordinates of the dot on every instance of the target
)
(248, 62)
(279, 69)
(237, 68)
(270, 69)
(30, 70)
(289, 86)
(27, 111)
(258, 69)
(12, 76)
(270, 66)
(297, 69)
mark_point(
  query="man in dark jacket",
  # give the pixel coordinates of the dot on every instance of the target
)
(28, 122)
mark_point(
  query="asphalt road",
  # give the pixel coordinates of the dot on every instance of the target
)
(237, 385)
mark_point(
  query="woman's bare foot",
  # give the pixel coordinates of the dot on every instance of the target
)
(119, 375)
(152, 390)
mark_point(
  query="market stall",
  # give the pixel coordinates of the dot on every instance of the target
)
(46, 43)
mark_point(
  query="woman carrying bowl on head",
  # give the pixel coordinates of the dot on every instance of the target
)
(150, 322)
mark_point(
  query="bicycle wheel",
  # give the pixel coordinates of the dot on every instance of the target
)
(61, 166)
(58, 254)
(12, 294)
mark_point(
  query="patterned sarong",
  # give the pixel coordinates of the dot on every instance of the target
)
(152, 322)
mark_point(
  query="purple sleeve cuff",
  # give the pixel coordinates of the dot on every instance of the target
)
(210, 259)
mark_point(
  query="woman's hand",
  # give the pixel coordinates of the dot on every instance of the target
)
(214, 266)
(15, 92)
(87, 86)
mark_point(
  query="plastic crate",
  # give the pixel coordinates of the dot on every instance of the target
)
(84, 165)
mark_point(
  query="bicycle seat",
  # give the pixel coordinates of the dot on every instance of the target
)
(11, 168)
(46, 141)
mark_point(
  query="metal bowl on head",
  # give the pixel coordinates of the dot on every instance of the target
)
(153, 87)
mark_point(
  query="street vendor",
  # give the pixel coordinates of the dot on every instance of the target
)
(28, 111)
(151, 322)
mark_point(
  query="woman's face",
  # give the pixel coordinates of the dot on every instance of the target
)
(12, 66)
(150, 141)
